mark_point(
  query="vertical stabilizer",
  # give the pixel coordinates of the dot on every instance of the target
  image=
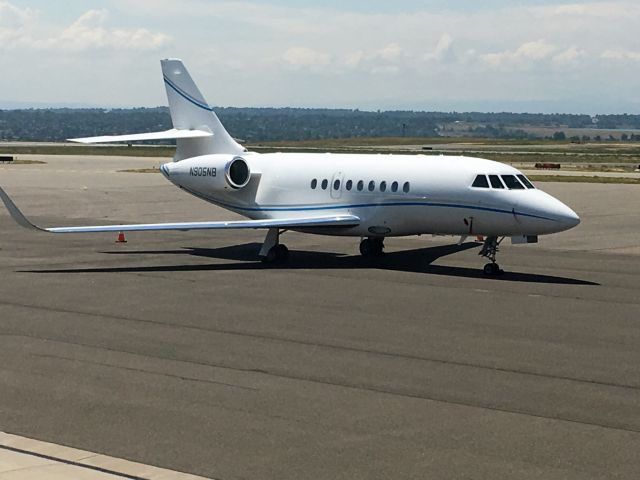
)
(190, 111)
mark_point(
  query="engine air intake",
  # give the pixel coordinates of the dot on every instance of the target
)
(238, 173)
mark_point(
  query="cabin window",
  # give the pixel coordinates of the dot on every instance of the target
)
(360, 185)
(512, 182)
(314, 184)
(348, 185)
(526, 181)
(372, 186)
(406, 187)
(480, 182)
(394, 187)
(336, 184)
(495, 181)
(383, 186)
(325, 183)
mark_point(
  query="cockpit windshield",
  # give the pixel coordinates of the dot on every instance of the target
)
(480, 182)
(526, 181)
(512, 182)
(495, 181)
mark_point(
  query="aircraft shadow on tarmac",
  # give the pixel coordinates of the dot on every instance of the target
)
(245, 258)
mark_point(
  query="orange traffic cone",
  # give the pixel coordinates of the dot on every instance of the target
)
(121, 238)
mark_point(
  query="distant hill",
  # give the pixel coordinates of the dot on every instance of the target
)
(274, 124)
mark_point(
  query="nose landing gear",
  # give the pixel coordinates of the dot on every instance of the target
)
(490, 250)
(372, 247)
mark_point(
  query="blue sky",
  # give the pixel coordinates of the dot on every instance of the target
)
(548, 56)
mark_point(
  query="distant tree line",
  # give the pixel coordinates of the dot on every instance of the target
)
(516, 119)
(272, 124)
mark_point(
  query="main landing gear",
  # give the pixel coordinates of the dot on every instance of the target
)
(372, 247)
(272, 250)
(490, 250)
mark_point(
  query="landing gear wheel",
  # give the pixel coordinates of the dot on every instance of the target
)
(490, 250)
(282, 253)
(366, 248)
(372, 247)
(492, 269)
(277, 254)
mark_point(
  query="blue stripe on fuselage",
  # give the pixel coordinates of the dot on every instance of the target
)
(314, 208)
(393, 204)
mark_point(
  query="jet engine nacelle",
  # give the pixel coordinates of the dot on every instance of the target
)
(237, 173)
(213, 173)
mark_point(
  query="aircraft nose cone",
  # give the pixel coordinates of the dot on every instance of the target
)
(566, 217)
(572, 219)
(553, 215)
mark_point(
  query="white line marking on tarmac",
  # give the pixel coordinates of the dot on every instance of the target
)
(25, 458)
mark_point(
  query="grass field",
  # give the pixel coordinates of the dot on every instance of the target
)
(507, 151)
(23, 162)
(67, 149)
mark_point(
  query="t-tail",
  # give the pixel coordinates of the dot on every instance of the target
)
(196, 128)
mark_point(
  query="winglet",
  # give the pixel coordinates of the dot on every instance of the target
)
(16, 214)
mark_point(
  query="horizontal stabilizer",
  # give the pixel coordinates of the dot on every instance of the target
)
(300, 222)
(174, 133)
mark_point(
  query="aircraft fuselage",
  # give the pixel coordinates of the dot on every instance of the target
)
(393, 195)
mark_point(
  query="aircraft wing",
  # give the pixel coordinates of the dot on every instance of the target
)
(299, 222)
(166, 135)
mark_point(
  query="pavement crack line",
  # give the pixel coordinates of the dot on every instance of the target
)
(307, 343)
(373, 389)
(142, 370)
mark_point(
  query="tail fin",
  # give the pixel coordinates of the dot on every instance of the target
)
(190, 111)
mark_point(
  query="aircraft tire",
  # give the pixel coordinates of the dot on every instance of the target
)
(366, 248)
(372, 247)
(492, 269)
(378, 246)
(277, 254)
(282, 252)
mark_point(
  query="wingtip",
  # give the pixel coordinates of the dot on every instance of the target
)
(15, 212)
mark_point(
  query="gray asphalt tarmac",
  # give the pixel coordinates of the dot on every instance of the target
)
(180, 350)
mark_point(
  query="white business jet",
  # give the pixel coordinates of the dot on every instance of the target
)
(366, 196)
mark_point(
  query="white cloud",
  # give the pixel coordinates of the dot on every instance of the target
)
(598, 10)
(388, 60)
(89, 32)
(391, 52)
(523, 56)
(11, 15)
(23, 28)
(570, 56)
(338, 56)
(302, 57)
(353, 59)
(13, 24)
(620, 55)
(443, 50)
